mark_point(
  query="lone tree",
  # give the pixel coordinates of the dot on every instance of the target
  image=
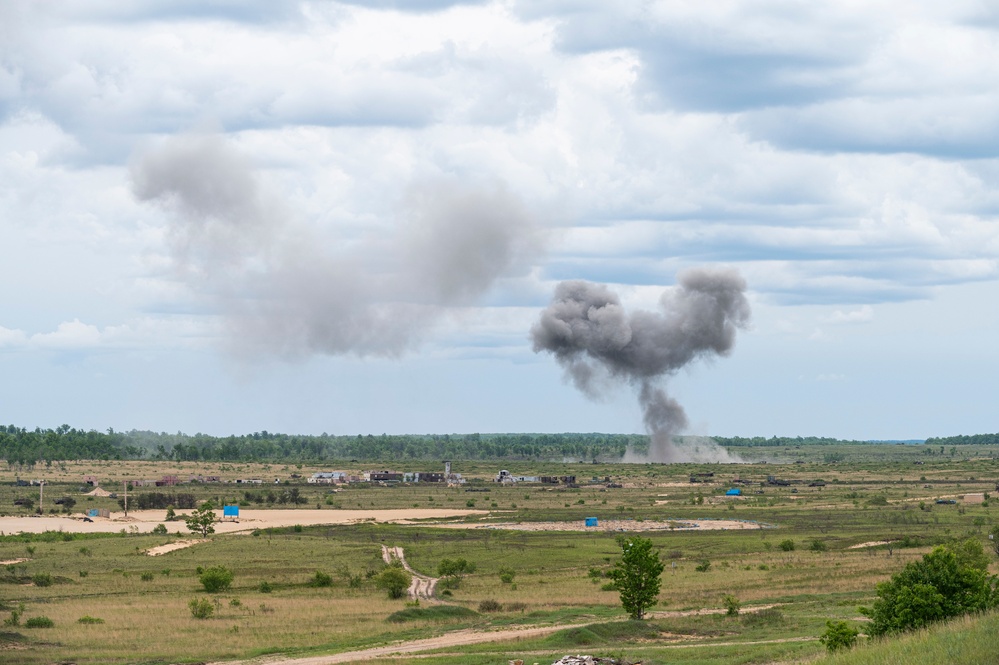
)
(202, 520)
(636, 575)
(948, 582)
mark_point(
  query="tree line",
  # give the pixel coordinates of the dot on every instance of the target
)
(24, 447)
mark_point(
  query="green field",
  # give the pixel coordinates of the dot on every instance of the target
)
(870, 493)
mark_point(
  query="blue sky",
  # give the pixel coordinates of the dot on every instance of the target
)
(345, 217)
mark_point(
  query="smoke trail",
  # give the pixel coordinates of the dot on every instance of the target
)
(285, 290)
(600, 345)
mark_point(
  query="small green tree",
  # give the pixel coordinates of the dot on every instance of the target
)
(395, 580)
(216, 579)
(839, 635)
(636, 575)
(202, 520)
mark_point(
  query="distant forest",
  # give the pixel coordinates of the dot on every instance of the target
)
(20, 446)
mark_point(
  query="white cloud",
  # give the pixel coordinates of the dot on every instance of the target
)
(864, 314)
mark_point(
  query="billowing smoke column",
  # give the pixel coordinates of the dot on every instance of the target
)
(599, 345)
(285, 289)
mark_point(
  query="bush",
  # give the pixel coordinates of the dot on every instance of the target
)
(732, 605)
(160, 530)
(265, 587)
(703, 566)
(201, 608)
(147, 576)
(395, 580)
(87, 619)
(15, 616)
(506, 575)
(39, 622)
(321, 579)
(490, 605)
(216, 579)
(41, 579)
(818, 546)
(839, 635)
(786, 545)
(947, 582)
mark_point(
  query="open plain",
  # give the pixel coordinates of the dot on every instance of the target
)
(811, 533)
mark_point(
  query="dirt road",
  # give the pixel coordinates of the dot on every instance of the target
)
(466, 637)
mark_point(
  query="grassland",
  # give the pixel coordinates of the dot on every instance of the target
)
(871, 493)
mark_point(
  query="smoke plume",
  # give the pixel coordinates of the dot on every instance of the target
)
(600, 345)
(286, 289)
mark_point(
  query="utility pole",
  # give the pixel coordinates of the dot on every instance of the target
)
(125, 484)
(41, 495)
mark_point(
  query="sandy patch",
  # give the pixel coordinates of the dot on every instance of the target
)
(144, 521)
(170, 547)
(873, 543)
(11, 562)
(618, 525)
(715, 610)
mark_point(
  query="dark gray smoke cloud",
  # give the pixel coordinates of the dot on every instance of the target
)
(286, 290)
(600, 345)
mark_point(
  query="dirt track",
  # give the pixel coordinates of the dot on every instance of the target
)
(466, 637)
(421, 586)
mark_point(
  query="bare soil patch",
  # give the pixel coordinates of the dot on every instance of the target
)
(144, 521)
(618, 525)
(170, 547)
(873, 543)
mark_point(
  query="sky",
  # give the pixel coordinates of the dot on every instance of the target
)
(347, 217)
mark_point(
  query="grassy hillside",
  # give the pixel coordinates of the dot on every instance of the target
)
(972, 640)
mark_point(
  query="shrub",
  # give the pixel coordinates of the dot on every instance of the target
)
(395, 580)
(818, 546)
(490, 605)
(15, 616)
(703, 566)
(947, 582)
(786, 545)
(39, 622)
(506, 575)
(41, 579)
(732, 605)
(147, 576)
(216, 579)
(160, 530)
(201, 608)
(321, 579)
(265, 587)
(87, 619)
(839, 635)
